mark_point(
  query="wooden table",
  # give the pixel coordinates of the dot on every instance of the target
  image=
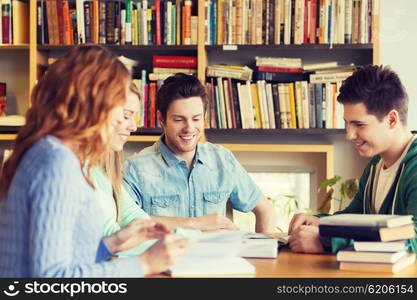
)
(289, 264)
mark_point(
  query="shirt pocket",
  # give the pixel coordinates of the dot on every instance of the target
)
(166, 205)
(215, 201)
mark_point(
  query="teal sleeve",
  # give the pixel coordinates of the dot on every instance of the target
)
(187, 232)
(130, 210)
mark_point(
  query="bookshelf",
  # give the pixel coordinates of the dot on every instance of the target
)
(33, 54)
(19, 66)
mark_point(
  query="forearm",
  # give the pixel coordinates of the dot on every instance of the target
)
(265, 222)
(172, 222)
(265, 216)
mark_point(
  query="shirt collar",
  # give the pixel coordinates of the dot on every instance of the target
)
(171, 159)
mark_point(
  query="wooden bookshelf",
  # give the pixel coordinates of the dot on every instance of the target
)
(206, 54)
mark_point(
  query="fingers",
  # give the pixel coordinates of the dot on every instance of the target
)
(296, 221)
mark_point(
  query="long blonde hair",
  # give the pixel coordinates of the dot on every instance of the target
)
(111, 163)
(72, 102)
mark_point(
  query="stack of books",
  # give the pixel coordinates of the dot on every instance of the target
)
(380, 241)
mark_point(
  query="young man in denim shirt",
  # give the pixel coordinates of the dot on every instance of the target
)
(184, 182)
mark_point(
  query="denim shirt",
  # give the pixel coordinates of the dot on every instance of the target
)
(162, 184)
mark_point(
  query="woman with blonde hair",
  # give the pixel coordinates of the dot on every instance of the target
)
(118, 206)
(50, 226)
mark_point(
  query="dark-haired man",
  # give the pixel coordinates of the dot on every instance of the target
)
(183, 182)
(375, 110)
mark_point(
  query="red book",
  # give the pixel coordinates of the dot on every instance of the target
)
(167, 61)
(152, 104)
(313, 21)
(146, 106)
(281, 70)
(6, 23)
(61, 22)
(306, 6)
(2, 99)
(158, 21)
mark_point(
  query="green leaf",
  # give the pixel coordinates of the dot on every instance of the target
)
(330, 182)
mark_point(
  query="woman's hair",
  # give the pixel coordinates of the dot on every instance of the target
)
(72, 102)
(111, 163)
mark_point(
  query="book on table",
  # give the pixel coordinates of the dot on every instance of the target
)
(367, 220)
(368, 227)
(351, 255)
(368, 233)
(393, 246)
(399, 265)
(221, 254)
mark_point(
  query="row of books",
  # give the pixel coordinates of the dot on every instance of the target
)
(14, 18)
(264, 105)
(380, 241)
(288, 21)
(160, 22)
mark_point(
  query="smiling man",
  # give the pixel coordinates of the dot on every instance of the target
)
(375, 110)
(181, 181)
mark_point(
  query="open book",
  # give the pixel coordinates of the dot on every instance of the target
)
(221, 254)
(214, 255)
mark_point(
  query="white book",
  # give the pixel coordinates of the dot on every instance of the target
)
(305, 104)
(381, 246)
(259, 248)
(80, 21)
(282, 104)
(367, 220)
(263, 104)
(287, 23)
(369, 257)
(229, 122)
(251, 114)
(232, 266)
(341, 5)
(270, 102)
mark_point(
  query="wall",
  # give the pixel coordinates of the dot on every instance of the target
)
(398, 23)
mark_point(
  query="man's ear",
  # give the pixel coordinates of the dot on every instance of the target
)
(160, 118)
(393, 118)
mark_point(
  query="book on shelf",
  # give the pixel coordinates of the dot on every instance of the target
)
(243, 73)
(174, 61)
(6, 154)
(367, 220)
(3, 99)
(20, 19)
(393, 246)
(280, 62)
(12, 120)
(329, 77)
(350, 255)
(320, 65)
(158, 70)
(402, 263)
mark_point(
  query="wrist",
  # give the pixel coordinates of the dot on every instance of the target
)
(143, 260)
(110, 242)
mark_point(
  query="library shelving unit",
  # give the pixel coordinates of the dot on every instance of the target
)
(19, 68)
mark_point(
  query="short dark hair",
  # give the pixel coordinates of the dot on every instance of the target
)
(379, 88)
(179, 86)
